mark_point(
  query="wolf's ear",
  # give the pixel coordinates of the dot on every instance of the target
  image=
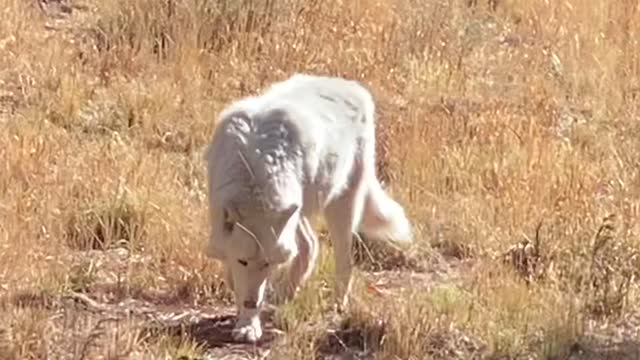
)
(230, 217)
(286, 214)
(286, 246)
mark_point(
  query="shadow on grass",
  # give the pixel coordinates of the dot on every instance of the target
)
(211, 332)
(351, 340)
(625, 350)
(28, 299)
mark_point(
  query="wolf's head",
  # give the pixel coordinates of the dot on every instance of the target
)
(246, 235)
(251, 244)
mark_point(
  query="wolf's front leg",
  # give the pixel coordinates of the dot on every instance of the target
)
(303, 264)
(249, 289)
(248, 327)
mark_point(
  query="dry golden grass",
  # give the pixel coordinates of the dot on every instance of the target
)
(493, 123)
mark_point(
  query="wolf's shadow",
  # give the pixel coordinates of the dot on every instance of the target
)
(212, 332)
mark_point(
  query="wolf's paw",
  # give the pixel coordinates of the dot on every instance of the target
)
(247, 332)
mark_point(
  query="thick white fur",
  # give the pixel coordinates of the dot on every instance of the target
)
(303, 147)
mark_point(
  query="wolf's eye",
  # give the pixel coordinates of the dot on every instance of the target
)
(228, 227)
(243, 262)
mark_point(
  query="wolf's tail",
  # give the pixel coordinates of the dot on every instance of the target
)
(384, 218)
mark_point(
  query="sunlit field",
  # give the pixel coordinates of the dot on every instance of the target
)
(509, 130)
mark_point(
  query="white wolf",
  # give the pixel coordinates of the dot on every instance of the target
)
(303, 147)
